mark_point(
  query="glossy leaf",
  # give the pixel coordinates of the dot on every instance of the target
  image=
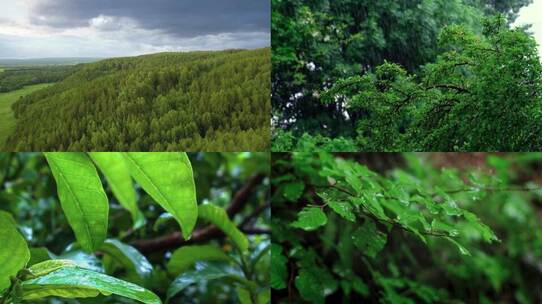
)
(127, 256)
(342, 208)
(44, 268)
(168, 179)
(219, 217)
(83, 260)
(310, 218)
(14, 253)
(114, 168)
(187, 256)
(75, 282)
(82, 197)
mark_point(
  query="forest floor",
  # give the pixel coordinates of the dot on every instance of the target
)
(7, 120)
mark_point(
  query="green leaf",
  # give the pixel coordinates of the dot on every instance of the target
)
(244, 296)
(279, 272)
(40, 254)
(262, 250)
(75, 282)
(115, 170)
(127, 256)
(369, 239)
(293, 191)
(310, 218)
(264, 297)
(342, 208)
(219, 217)
(82, 197)
(14, 253)
(205, 272)
(314, 284)
(359, 286)
(47, 267)
(462, 249)
(83, 260)
(485, 232)
(187, 256)
(164, 217)
(168, 179)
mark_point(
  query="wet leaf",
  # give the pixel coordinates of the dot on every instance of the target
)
(128, 257)
(310, 218)
(75, 282)
(47, 267)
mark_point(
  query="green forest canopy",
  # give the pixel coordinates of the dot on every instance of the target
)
(318, 43)
(199, 101)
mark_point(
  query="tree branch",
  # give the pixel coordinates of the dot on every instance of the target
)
(175, 239)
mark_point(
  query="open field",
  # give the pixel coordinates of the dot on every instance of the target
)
(7, 121)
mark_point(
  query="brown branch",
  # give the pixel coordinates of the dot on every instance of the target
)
(256, 230)
(175, 239)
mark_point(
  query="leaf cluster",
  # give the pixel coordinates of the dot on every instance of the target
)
(345, 232)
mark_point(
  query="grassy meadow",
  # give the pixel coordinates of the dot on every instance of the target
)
(7, 120)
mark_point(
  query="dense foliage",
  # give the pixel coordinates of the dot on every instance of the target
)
(12, 79)
(318, 43)
(410, 233)
(75, 225)
(200, 101)
(484, 94)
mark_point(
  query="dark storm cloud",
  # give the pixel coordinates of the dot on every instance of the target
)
(182, 18)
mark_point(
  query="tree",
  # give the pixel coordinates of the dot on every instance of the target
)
(474, 97)
(316, 43)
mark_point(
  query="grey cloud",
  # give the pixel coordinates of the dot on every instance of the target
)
(182, 18)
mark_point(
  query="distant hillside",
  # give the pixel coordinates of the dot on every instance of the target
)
(45, 61)
(199, 101)
(15, 78)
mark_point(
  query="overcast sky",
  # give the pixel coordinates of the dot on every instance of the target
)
(532, 14)
(108, 28)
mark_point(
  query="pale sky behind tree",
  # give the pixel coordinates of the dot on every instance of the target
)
(532, 14)
(105, 28)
